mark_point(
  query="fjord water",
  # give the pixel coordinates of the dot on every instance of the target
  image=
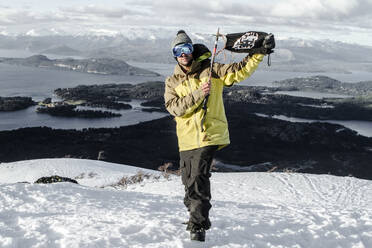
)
(39, 83)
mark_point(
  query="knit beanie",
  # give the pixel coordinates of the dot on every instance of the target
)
(181, 38)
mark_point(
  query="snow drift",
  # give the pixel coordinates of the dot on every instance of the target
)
(249, 209)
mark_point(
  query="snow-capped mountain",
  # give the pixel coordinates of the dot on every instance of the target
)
(153, 45)
(249, 209)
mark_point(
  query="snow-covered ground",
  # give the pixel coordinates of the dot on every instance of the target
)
(249, 209)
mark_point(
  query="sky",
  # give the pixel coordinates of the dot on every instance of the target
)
(340, 20)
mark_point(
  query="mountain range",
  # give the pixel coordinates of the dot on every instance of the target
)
(291, 54)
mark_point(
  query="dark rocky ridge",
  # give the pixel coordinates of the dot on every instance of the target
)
(110, 95)
(250, 100)
(326, 85)
(15, 103)
(113, 92)
(302, 147)
(103, 66)
(102, 103)
(71, 111)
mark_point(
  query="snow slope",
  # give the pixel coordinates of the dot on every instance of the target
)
(249, 209)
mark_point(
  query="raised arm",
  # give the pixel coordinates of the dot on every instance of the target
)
(237, 72)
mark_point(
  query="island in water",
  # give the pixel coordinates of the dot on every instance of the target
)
(102, 66)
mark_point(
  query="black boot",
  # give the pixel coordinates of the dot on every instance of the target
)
(198, 235)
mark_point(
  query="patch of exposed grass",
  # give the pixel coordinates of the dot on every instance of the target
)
(138, 178)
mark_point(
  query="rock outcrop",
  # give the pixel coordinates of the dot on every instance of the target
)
(326, 85)
(15, 103)
(257, 144)
(71, 111)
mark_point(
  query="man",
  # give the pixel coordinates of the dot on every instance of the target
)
(198, 140)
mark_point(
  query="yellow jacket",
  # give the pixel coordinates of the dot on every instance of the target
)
(183, 99)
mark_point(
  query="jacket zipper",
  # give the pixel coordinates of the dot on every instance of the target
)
(194, 117)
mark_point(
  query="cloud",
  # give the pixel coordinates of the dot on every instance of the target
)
(100, 11)
(309, 17)
(323, 9)
(310, 14)
(14, 17)
(208, 12)
(198, 9)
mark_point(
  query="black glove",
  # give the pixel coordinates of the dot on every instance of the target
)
(261, 50)
(269, 42)
(267, 47)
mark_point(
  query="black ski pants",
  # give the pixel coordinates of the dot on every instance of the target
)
(195, 168)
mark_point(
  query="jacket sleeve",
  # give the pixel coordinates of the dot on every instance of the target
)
(180, 106)
(237, 72)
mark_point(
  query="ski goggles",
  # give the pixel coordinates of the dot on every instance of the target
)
(185, 48)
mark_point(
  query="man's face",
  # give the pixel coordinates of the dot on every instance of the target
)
(185, 59)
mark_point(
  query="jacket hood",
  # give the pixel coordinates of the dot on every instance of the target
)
(201, 52)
